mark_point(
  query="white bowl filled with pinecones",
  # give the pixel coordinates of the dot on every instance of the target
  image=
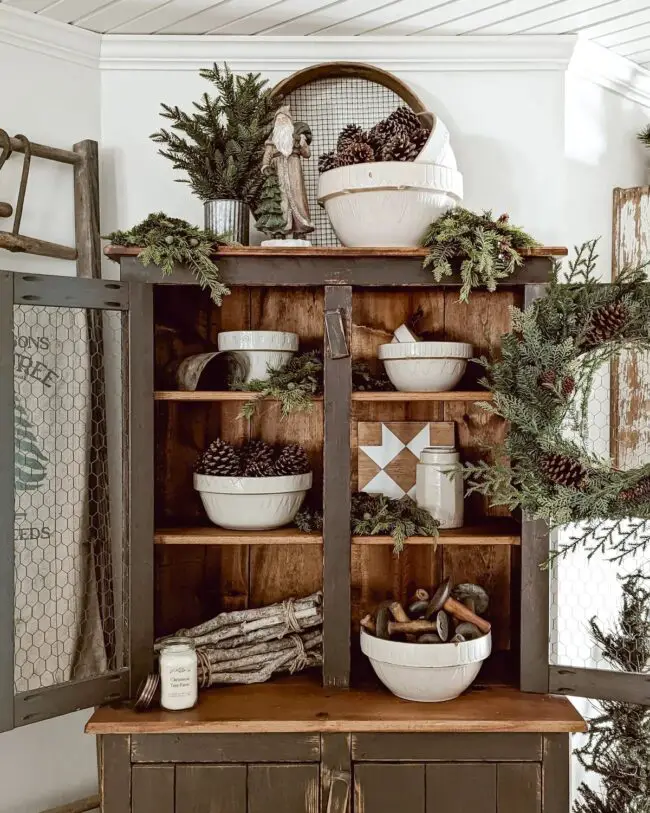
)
(384, 186)
(255, 487)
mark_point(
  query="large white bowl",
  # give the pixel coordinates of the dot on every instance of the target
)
(252, 503)
(425, 366)
(426, 673)
(259, 350)
(387, 203)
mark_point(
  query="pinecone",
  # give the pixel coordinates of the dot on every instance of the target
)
(504, 218)
(328, 160)
(351, 133)
(256, 456)
(568, 385)
(547, 379)
(378, 135)
(420, 137)
(605, 323)
(358, 152)
(292, 460)
(345, 159)
(399, 148)
(220, 459)
(565, 471)
(404, 118)
(637, 493)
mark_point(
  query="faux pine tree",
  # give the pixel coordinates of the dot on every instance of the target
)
(269, 217)
(618, 744)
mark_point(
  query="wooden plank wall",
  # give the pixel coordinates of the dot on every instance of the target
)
(376, 573)
(630, 396)
(194, 582)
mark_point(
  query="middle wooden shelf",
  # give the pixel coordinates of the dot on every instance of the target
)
(392, 397)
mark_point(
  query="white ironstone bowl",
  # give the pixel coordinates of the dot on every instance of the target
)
(426, 673)
(252, 503)
(425, 366)
(387, 203)
(259, 350)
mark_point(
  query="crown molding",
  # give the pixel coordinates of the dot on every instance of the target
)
(421, 54)
(611, 71)
(33, 32)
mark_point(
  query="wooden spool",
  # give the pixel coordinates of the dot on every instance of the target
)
(6, 209)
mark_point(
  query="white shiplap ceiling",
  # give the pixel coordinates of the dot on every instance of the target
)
(620, 25)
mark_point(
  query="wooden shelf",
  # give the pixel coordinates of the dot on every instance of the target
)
(369, 397)
(491, 533)
(220, 536)
(301, 704)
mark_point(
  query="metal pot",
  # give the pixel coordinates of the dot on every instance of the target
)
(228, 217)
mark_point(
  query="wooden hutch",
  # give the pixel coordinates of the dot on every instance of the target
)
(339, 741)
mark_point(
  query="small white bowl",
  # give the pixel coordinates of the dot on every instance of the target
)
(252, 503)
(259, 350)
(387, 203)
(425, 366)
(426, 673)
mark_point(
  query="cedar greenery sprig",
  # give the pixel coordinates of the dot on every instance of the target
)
(541, 386)
(485, 250)
(294, 385)
(168, 241)
(378, 515)
(220, 144)
(617, 749)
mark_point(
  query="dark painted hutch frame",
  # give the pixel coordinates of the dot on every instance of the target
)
(141, 772)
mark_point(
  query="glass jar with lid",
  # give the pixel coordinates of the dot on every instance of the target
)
(439, 485)
(178, 674)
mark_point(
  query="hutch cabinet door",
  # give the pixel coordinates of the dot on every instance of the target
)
(76, 391)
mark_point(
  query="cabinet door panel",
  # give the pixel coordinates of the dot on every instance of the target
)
(387, 788)
(210, 789)
(152, 789)
(466, 786)
(519, 788)
(283, 789)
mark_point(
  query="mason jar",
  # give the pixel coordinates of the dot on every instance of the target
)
(178, 674)
(439, 485)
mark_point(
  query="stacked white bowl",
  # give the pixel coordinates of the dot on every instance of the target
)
(425, 366)
(259, 350)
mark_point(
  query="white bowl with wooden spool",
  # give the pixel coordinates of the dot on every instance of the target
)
(259, 351)
(252, 503)
(425, 366)
(387, 203)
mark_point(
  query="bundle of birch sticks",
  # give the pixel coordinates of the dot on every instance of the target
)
(249, 646)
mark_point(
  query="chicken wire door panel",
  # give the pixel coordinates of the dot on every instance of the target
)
(327, 105)
(64, 448)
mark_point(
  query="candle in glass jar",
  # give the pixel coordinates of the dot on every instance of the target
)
(439, 485)
(178, 674)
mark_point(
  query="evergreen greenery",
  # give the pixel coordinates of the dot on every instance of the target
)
(294, 385)
(377, 515)
(549, 353)
(220, 144)
(644, 135)
(269, 217)
(168, 241)
(617, 749)
(483, 249)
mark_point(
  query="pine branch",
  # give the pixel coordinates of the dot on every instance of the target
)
(294, 385)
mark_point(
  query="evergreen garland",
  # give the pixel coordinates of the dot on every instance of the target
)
(618, 743)
(220, 145)
(294, 385)
(547, 356)
(378, 515)
(485, 250)
(168, 241)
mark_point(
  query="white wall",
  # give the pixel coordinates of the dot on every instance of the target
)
(55, 102)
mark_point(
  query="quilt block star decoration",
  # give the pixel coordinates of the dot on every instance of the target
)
(388, 453)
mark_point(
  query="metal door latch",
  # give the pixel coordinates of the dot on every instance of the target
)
(337, 345)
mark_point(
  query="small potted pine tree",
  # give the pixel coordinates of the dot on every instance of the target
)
(269, 216)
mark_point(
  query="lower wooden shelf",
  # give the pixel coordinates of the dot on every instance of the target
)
(490, 533)
(300, 703)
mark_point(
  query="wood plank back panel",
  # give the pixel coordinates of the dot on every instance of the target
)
(210, 789)
(283, 789)
(152, 789)
(462, 787)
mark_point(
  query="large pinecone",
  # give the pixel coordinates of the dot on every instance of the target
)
(547, 379)
(399, 148)
(349, 134)
(378, 135)
(404, 118)
(256, 456)
(638, 493)
(328, 160)
(605, 323)
(358, 152)
(292, 460)
(220, 459)
(563, 470)
(420, 137)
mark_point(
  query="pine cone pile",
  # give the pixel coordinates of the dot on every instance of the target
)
(563, 470)
(606, 323)
(399, 137)
(637, 493)
(256, 458)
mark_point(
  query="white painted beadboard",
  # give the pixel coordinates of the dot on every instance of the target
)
(621, 25)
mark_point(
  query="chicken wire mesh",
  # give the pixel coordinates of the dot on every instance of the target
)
(69, 565)
(583, 588)
(327, 105)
